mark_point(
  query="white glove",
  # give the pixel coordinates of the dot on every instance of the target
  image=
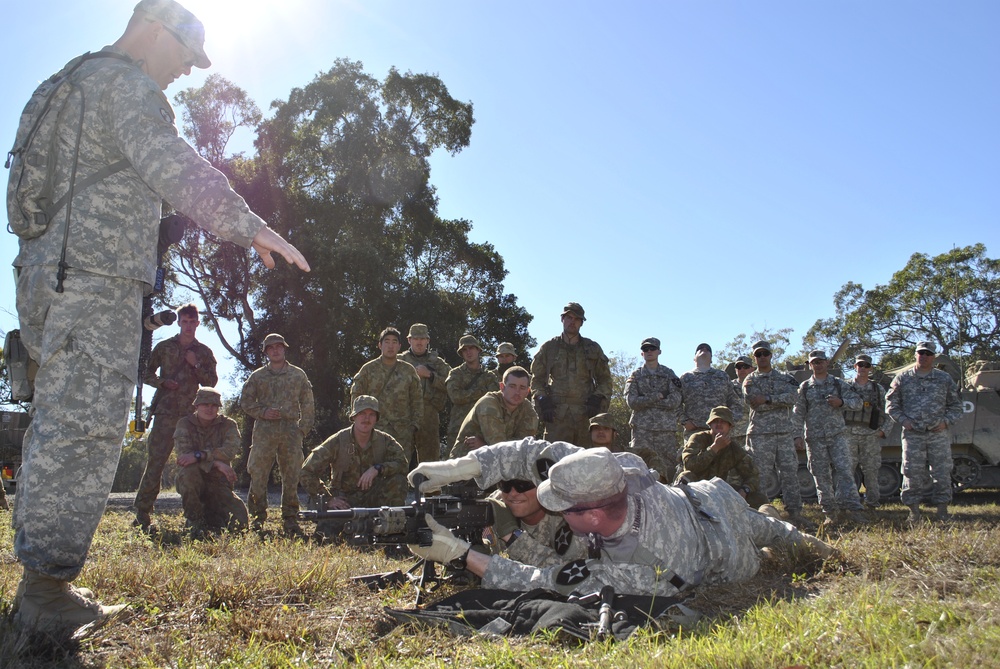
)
(441, 473)
(446, 546)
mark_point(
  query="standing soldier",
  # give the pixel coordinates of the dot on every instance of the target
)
(279, 398)
(744, 366)
(467, 383)
(770, 394)
(500, 415)
(571, 381)
(705, 388)
(433, 372)
(185, 364)
(506, 358)
(867, 428)
(925, 402)
(820, 405)
(396, 386)
(653, 393)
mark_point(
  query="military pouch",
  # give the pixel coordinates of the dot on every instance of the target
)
(20, 367)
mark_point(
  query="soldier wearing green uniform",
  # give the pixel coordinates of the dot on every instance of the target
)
(467, 383)
(714, 453)
(498, 416)
(506, 358)
(184, 364)
(433, 371)
(571, 381)
(279, 398)
(396, 386)
(206, 445)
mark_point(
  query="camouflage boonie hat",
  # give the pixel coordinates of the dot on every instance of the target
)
(419, 331)
(206, 395)
(926, 346)
(603, 420)
(650, 341)
(362, 402)
(723, 412)
(468, 340)
(863, 358)
(582, 478)
(273, 338)
(574, 309)
(506, 348)
(745, 359)
(181, 23)
(758, 345)
(817, 355)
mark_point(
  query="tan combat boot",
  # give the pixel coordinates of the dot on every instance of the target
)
(801, 522)
(816, 546)
(770, 511)
(54, 605)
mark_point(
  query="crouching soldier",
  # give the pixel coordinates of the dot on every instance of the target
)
(356, 467)
(206, 444)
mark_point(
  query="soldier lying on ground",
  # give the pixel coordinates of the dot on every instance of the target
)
(644, 537)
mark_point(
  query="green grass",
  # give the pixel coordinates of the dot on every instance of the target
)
(897, 597)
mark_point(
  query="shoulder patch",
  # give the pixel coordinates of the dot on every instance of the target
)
(573, 573)
(542, 465)
(563, 539)
(676, 381)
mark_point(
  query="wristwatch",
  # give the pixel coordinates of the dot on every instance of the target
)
(461, 561)
(198, 455)
(378, 468)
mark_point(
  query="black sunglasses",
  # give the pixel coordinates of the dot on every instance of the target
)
(761, 354)
(743, 366)
(519, 485)
(866, 365)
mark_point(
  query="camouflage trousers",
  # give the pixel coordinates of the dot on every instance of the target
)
(663, 448)
(389, 491)
(159, 446)
(86, 343)
(428, 439)
(281, 441)
(209, 500)
(572, 425)
(404, 435)
(927, 465)
(831, 466)
(455, 420)
(866, 451)
(776, 453)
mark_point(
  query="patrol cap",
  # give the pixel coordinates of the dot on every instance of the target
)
(863, 358)
(587, 476)
(926, 346)
(745, 359)
(760, 346)
(273, 338)
(506, 348)
(419, 331)
(206, 395)
(468, 340)
(817, 355)
(650, 341)
(362, 402)
(703, 346)
(180, 23)
(603, 420)
(722, 412)
(574, 309)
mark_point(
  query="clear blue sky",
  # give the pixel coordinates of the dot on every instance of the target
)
(688, 170)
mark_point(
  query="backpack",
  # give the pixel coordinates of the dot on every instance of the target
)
(31, 200)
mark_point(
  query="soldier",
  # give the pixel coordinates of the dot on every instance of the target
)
(526, 532)
(771, 394)
(506, 358)
(713, 453)
(185, 364)
(925, 401)
(356, 467)
(819, 405)
(206, 445)
(81, 323)
(644, 538)
(603, 432)
(467, 383)
(571, 381)
(744, 367)
(705, 388)
(653, 393)
(866, 429)
(500, 415)
(279, 398)
(396, 386)
(433, 372)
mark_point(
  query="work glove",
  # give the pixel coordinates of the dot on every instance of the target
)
(443, 472)
(594, 405)
(445, 547)
(547, 409)
(504, 521)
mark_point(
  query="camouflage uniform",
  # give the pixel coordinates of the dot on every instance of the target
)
(703, 391)
(739, 432)
(925, 400)
(169, 406)
(491, 421)
(206, 493)
(654, 420)
(86, 339)
(826, 441)
(465, 387)
(288, 390)
(548, 543)
(769, 435)
(569, 374)
(435, 396)
(676, 539)
(401, 403)
(865, 447)
(701, 463)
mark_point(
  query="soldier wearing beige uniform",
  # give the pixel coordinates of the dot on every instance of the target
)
(467, 383)
(498, 416)
(433, 371)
